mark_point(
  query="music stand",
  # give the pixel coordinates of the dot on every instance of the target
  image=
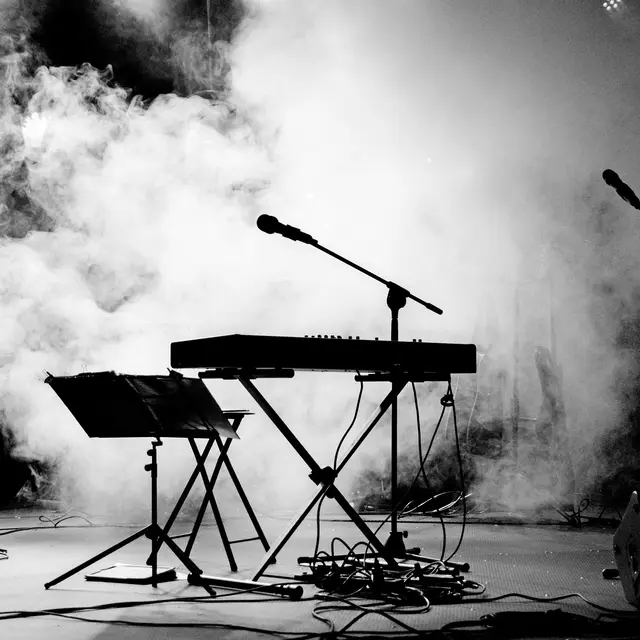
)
(155, 406)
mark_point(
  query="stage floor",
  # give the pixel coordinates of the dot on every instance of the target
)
(506, 553)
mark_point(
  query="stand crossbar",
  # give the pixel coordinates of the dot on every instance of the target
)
(209, 499)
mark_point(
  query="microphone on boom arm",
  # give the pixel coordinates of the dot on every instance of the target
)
(271, 224)
(622, 189)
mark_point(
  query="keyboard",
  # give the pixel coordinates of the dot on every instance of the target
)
(240, 351)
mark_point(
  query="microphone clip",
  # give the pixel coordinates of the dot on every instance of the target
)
(295, 234)
(271, 224)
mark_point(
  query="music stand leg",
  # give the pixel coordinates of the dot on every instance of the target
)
(208, 484)
(223, 534)
(152, 531)
(185, 492)
(152, 467)
(196, 526)
(181, 500)
(179, 553)
(243, 496)
(98, 557)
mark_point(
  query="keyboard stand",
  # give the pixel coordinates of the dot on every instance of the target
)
(323, 477)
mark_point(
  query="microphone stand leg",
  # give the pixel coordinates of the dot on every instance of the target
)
(395, 544)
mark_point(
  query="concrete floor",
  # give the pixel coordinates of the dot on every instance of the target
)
(543, 560)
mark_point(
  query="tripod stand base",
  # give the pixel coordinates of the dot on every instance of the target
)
(152, 531)
(132, 574)
(395, 544)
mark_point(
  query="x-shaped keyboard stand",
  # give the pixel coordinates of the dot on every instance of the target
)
(324, 477)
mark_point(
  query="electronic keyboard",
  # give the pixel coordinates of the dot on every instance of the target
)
(322, 354)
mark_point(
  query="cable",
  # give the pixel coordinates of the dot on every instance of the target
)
(364, 611)
(375, 605)
(330, 577)
(353, 421)
(552, 622)
(190, 625)
(6, 532)
(449, 400)
(553, 599)
(422, 470)
(473, 407)
(426, 455)
(475, 400)
(455, 393)
(65, 516)
(441, 511)
(335, 462)
(14, 614)
(446, 401)
(359, 575)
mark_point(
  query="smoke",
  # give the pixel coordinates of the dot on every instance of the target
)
(465, 144)
(454, 148)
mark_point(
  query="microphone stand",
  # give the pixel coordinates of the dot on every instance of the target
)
(396, 299)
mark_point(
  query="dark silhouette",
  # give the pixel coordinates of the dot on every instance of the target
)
(143, 56)
(622, 189)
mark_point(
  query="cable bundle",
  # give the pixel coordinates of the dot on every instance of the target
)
(366, 575)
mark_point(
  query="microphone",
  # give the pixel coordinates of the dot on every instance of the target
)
(271, 224)
(622, 189)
